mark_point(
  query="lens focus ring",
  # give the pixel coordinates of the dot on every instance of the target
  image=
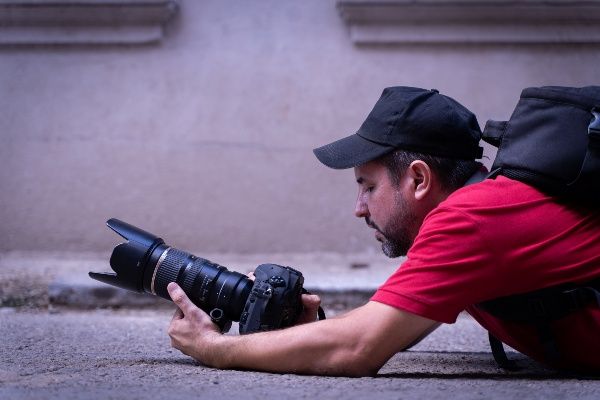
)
(168, 271)
(190, 277)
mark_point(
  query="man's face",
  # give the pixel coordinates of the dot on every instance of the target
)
(385, 208)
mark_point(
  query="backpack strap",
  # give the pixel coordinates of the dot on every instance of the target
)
(547, 340)
(500, 355)
(545, 304)
(478, 176)
(540, 308)
(494, 132)
(594, 127)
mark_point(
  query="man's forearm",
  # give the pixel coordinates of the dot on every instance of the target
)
(355, 344)
(329, 347)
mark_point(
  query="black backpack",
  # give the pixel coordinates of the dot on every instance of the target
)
(551, 142)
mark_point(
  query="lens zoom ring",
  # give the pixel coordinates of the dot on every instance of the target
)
(190, 276)
(168, 271)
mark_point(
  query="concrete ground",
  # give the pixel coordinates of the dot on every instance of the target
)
(54, 350)
(126, 354)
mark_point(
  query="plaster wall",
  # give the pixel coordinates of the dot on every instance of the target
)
(206, 137)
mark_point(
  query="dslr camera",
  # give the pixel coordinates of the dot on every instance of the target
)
(144, 263)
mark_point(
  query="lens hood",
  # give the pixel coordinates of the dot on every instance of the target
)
(129, 259)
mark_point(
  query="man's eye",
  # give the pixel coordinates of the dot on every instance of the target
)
(370, 189)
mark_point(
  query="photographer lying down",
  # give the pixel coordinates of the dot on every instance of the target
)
(466, 245)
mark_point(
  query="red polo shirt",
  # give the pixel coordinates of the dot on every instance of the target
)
(498, 238)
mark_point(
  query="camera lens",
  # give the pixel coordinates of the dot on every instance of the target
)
(210, 286)
(144, 263)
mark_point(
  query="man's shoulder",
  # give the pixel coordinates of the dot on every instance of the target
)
(505, 201)
(497, 192)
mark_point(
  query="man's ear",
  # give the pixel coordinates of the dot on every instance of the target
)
(421, 179)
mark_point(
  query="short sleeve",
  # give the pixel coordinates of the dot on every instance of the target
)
(448, 268)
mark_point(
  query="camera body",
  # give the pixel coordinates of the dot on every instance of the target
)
(275, 299)
(144, 263)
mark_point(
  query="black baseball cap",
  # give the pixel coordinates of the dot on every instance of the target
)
(412, 119)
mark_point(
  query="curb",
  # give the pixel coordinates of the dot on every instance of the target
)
(85, 293)
(43, 280)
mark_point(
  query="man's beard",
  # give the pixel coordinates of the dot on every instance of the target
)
(397, 239)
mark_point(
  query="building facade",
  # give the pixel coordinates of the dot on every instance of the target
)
(195, 119)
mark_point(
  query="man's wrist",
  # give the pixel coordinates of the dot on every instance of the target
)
(212, 350)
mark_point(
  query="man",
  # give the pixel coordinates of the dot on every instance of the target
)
(465, 244)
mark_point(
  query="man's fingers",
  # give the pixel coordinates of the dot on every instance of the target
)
(180, 298)
(311, 301)
(311, 304)
(177, 315)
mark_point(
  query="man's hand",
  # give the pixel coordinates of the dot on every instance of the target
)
(191, 330)
(310, 302)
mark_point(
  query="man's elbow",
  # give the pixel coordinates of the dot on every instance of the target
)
(360, 361)
(360, 371)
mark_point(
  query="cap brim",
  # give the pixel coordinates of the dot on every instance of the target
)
(350, 152)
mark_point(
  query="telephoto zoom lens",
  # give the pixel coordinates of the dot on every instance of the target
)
(144, 263)
(210, 286)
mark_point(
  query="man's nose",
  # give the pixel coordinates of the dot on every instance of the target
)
(360, 209)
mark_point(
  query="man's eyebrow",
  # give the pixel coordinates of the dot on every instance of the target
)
(360, 180)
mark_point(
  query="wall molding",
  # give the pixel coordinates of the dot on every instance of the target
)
(471, 21)
(84, 22)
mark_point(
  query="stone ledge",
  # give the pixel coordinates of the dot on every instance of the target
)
(81, 292)
(471, 21)
(84, 22)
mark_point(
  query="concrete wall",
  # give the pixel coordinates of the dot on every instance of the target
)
(206, 137)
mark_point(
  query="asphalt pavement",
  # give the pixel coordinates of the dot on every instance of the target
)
(116, 346)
